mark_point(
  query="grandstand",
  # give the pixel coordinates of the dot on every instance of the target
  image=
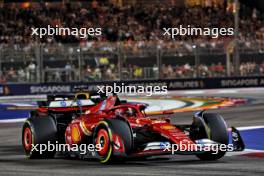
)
(131, 45)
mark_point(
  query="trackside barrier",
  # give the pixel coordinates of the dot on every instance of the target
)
(172, 84)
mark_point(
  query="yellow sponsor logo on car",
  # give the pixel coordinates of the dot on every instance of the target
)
(168, 127)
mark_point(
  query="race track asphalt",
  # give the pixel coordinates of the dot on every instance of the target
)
(13, 161)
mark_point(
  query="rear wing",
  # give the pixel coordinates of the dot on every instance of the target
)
(84, 99)
(60, 97)
(70, 103)
(51, 98)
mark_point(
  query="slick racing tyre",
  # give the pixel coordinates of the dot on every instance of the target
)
(103, 136)
(214, 129)
(36, 131)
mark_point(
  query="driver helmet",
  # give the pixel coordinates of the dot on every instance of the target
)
(130, 112)
(120, 112)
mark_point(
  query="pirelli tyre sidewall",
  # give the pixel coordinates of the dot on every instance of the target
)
(38, 130)
(216, 130)
(107, 128)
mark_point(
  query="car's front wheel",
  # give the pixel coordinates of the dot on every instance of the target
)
(215, 129)
(104, 137)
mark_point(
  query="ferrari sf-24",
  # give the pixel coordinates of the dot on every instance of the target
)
(122, 130)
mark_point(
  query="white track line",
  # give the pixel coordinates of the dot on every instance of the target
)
(23, 97)
(246, 151)
(249, 128)
(13, 120)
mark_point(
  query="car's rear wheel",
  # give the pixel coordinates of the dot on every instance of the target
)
(214, 129)
(39, 131)
(103, 136)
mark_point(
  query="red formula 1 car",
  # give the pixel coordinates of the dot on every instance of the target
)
(121, 129)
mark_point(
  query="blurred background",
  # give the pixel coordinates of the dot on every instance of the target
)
(132, 46)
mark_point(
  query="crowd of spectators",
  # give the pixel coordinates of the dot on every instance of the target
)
(100, 73)
(28, 73)
(211, 70)
(141, 22)
(137, 28)
(69, 73)
(251, 69)
(178, 71)
(189, 71)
